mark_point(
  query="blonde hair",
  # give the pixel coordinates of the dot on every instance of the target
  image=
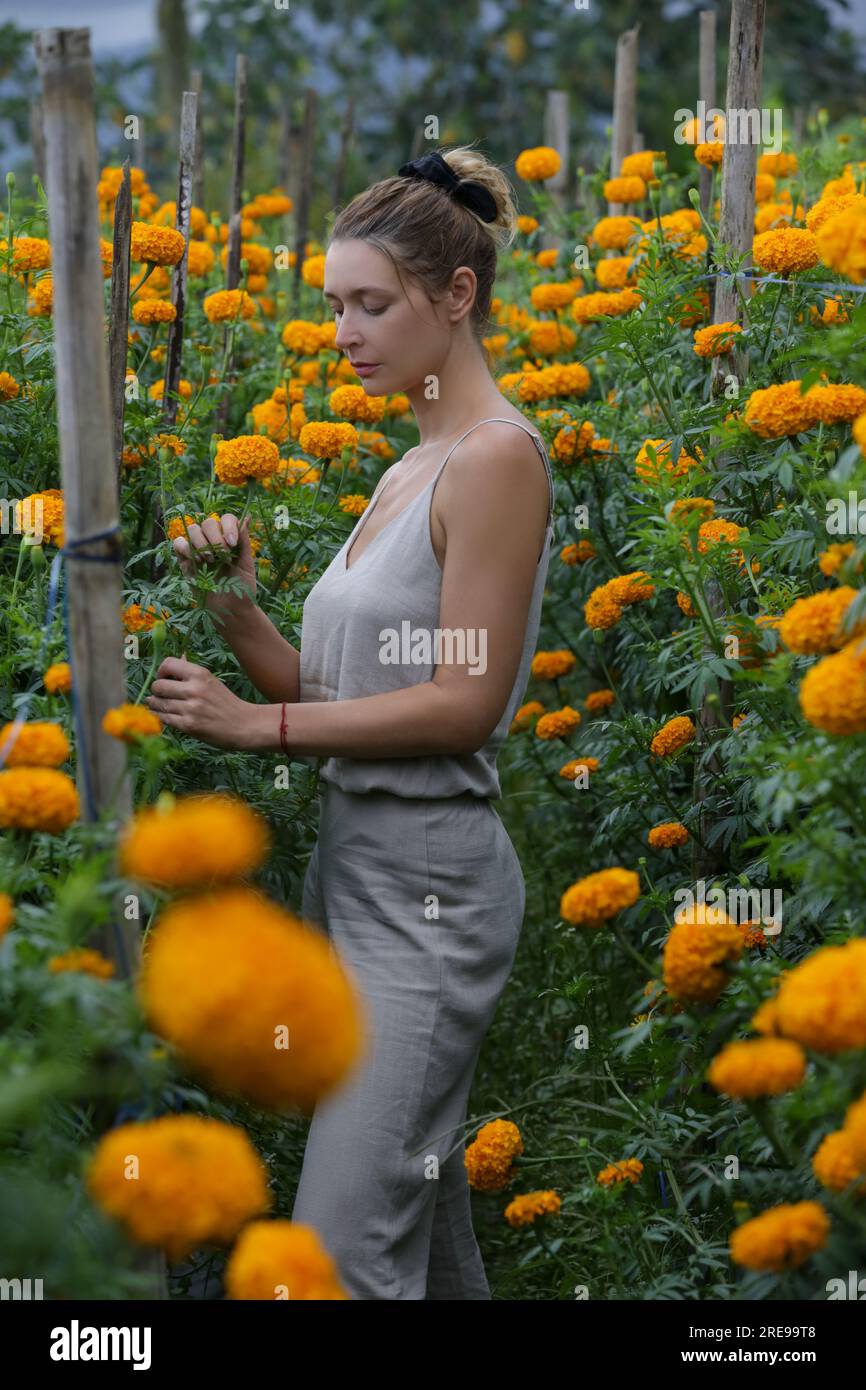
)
(422, 228)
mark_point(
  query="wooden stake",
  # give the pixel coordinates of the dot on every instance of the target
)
(706, 90)
(736, 228)
(305, 191)
(624, 106)
(118, 323)
(233, 262)
(185, 174)
(345, 141)
(556, 136)
(37, 139)
(198, 162)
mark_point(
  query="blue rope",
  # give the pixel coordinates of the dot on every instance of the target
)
(838, 290)
(664, 1189)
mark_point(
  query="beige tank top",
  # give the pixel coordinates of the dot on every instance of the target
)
(395, 584)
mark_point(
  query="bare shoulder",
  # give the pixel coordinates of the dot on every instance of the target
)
(494, 490)
(501, 457)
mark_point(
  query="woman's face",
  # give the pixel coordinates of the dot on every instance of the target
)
(399, 331)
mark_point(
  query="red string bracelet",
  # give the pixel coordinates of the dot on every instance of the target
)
(283, 743)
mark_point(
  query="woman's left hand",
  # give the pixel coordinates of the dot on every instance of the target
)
(189, 698)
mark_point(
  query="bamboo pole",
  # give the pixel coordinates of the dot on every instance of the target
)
(305, 192)
(185, 176)
(706, 90)
(342, 156)
(198, 162)
(233, 261)
(624, 106)
(736, 227)
(118, 323)
(556, 136)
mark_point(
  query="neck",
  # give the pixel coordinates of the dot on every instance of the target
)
(466, 393)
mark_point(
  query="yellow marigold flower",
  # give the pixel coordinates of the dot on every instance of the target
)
(614, 233)
(523, 1210)
(765, 1019)
(547, 337)
(716, 339)
(153, 311)
(780, 165)
(198, 1181)
(784, 250)
(184, 389)
(602, 610)
(227, 306)
(779, 410)
(136, 620)
(258, 258)
(831, 560)
(82, 959)
(757, 1067)
(626, 1170)
(626, 188)
(525, 224)
(37, 798)
(826, 208)
(158, 245)
(324, 439)
(599, 699)
(655, 452)
(302, 1026)
(841, 242)
(282, 1259)
(693, 129)
(489, 1158)
(354, 503)
(577, 554)
(635, 587)
(524, 715)
(247, 458)
(709, 152)
(199, 839)
(355, 404)
(641, 163)
(833, 693)
(821, 1003)
(303, 337)
(781, 1238)
(313, 271)
(673, 736)
(28, 253)
(682, 510)
(131, 722)
(272, 418)
(765, 187)
(833, 312)
(837, 403)
(668, 835)
(570, 770)
(552, 295)
(560, 379)
(38, 744)
(9, 387)
(814, 624)
(58, 678)
(685, 605)
(570, 443)
(41, 513)
(275, 204)
(200, 259)
(42, 296)
(537, 164)
(176, 526)
(558, 723)
(605, 304)
(698, 947)
(597, 897)
(834, 1164)
(549, 666)
(7, 913)
(613, 272)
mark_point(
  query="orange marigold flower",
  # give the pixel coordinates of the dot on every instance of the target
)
(558, 723)
(597, 897)
(668, 835)
(157, 245)
(695, 954)
(83, 959)
(37, 798)
(247, 458)
(599, 699)
(537, 164)
(785, 250)
(758, 1067)
(548, 666)
(523, 1210)
(131, 722)
(489, 1158)
(814, 624)
(227, 306)
(577, 554)
(835, 1165)
(781, 1238)
(58, 678)
(626, 1170)
(673, 736)
(37, 744)
(715, 339)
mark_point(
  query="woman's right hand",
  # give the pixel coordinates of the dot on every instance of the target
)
(224, 546)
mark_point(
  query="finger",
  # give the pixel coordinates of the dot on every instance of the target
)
(174, 666)
(170, 690)
(213, 531)
(180, 545)
(230, 528)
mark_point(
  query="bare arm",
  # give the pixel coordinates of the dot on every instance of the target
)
(493, 508)
(271, 663)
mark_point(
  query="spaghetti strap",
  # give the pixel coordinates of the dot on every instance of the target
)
(539, 443)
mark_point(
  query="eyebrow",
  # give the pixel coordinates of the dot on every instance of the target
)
(364, 289)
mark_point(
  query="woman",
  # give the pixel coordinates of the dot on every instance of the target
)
(413, 875)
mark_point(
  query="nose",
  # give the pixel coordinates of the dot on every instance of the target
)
(345, 334)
